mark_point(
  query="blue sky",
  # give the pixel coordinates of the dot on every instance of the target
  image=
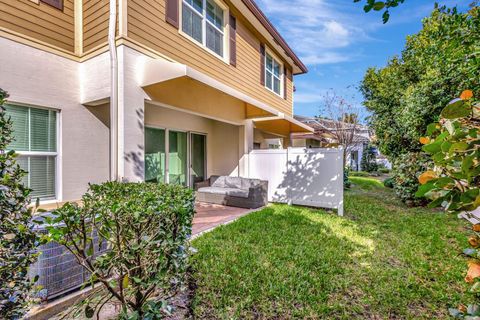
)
(338, 42)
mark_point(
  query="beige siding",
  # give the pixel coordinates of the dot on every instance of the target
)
(40, 21)
(95, 23)
(146, 24)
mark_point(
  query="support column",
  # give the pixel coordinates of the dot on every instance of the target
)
(245, 145)
(131, 111)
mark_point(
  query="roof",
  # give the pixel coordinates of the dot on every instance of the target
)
(323, 126)
(329, 124)
(257, 12)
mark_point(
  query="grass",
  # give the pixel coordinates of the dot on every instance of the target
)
(381, 261)
(364, 183)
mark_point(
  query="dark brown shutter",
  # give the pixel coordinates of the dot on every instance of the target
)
(233, 41)
(262, 64)
(171, 12)
(285, 78)
(54, 3)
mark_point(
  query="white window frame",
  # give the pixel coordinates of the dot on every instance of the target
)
(225, 31)
(57, 154)
(282, 75)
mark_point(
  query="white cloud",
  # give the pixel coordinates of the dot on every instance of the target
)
(319, 31)
(325, 58)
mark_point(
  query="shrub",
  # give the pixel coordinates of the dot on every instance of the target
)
(368, 162)
(406, 170)
(146, 228)
(384, 170)
(453, 144)
(412, 89)
(453, 183)
(346, 182)
(17, 239)
(389, 182)
(359, 174)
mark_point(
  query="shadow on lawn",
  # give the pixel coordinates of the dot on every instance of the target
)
(381, 261)
(274, 263)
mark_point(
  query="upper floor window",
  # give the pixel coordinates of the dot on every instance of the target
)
(273, 74)
(204, 21)
(35, 142)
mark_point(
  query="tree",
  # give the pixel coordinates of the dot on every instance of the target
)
(368, 162)
(381, 5)
(411, 91)
(17, 238)
(340, 122)
(386, 5)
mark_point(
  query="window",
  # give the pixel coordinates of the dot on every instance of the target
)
(203, 20)
(273, 74)
(35, 141)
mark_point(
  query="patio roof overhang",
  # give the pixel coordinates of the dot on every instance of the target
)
(308, 136)
(281, 124)
(183, 87)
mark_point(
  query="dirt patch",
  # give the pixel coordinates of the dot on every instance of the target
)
(181, 304)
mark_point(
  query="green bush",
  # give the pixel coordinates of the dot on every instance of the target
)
(384, 170)
(409, 93)
(406, 170)
(368, 162)
(453, 145)
(17, 239)
(346, 181)
(359, 174)
(389, 182)
(454, 181)
(146, 227)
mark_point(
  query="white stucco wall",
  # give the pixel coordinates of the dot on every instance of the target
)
(39, 78)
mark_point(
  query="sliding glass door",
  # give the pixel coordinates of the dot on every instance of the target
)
(174, 156)
(198, 152)
(155, 155)
(177, 157)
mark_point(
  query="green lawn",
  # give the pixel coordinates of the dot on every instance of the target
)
(381, 261)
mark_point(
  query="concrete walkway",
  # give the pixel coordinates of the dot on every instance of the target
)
(209, 216)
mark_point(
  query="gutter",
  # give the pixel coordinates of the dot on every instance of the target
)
(112, 21)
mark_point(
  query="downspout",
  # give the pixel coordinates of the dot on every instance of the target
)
(112, 21)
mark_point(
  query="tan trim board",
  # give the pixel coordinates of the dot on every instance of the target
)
(122, 18)
(78, 14)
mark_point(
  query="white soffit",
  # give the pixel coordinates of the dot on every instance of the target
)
(282, 116)
(160, 70)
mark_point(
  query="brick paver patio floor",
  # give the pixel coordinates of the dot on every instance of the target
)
(210, 215)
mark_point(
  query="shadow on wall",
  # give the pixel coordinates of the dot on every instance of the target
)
(135, 159)
(311, 177)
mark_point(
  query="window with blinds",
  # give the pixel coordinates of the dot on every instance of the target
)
(35, 141)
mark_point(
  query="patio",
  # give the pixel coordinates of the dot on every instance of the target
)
(210, 215)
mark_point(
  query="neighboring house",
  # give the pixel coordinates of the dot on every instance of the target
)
(196, 85)
(322, 137)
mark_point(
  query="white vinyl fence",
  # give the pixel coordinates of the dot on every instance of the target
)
(310, 177)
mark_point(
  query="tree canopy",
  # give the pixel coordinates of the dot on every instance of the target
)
(436, 64)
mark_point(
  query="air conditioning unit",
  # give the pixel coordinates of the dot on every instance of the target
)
(58, 271)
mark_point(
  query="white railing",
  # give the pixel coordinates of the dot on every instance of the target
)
(309, 177)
